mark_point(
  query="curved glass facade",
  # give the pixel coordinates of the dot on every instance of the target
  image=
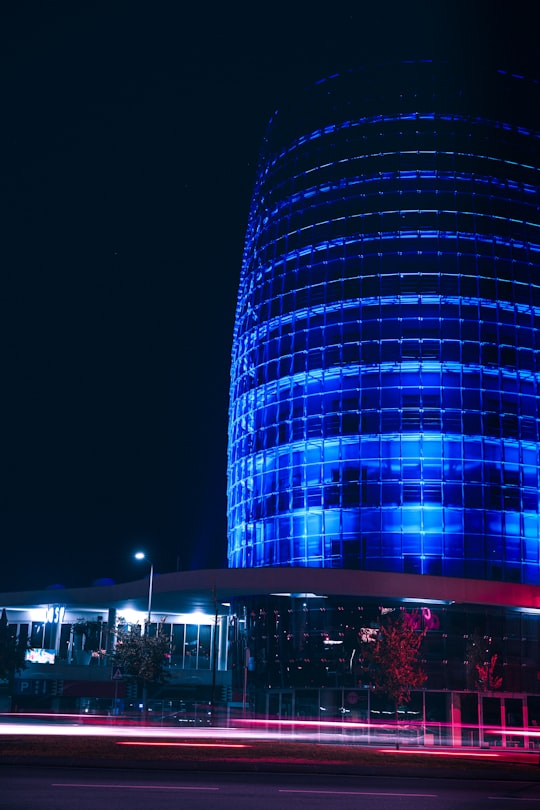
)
(384, 386)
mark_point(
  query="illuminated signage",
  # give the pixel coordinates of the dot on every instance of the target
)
(55, 615)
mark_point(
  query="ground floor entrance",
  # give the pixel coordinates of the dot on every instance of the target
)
(472, 719)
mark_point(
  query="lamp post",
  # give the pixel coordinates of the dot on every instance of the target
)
(140, 555)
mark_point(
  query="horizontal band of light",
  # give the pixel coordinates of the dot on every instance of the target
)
(379, 119)
(365, 217)
(185, 744)
(424, 752)
(324, 196)
(460, 177)
(501, 162)
(268, 392)
(351, 725)
(359, 240)
(413, 233)
(259, 333)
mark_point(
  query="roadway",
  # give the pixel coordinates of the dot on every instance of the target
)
(62, 788)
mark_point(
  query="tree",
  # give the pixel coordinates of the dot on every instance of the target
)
(487, 679)
(481, 663)
(393, 660)
(142, 658)
(12, 651)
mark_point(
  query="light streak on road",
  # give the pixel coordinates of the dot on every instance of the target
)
(381, 728)
(359, 793)
(190, 744)
(118, 730)
(344, 733)
(126, 786)
(438, 752)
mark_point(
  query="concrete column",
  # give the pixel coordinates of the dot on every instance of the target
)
(502, 708)
(57, 636)
(526, 739)
(111, 631)
(223, 624)
(455, 718)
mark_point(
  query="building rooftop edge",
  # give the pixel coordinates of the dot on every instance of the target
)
(236, 582)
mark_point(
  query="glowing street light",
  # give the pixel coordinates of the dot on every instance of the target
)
(140, 555)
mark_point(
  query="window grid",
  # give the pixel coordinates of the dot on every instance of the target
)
(384, 395)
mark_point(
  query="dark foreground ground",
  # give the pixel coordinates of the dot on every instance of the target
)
(263, 756)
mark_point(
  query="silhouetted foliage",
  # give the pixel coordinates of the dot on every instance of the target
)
(87, 634)
(142, 658)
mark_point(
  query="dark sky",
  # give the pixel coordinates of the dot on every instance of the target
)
(129, 141)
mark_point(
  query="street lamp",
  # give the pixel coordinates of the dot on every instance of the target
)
(140, 555)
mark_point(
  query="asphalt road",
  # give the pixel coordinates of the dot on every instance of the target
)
(52, 788)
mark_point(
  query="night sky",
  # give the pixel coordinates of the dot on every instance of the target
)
(129, 142)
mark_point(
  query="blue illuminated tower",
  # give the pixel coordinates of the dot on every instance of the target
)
(384, 387)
